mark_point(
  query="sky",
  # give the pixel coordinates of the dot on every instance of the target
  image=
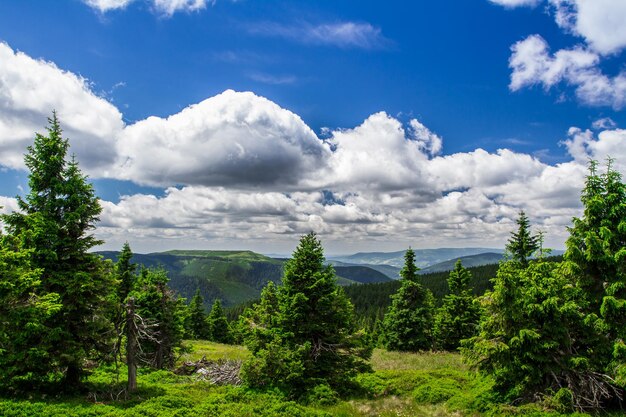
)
(379, 125)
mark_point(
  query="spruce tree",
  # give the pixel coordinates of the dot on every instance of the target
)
(304, 334)
(126, 272)
(24, 311)
(218, 328)
(596, 258)
(522, 244)
(458, 317)
(55, 221)
(409, 320)
(532, 337)
(197, 325)
(163, 312)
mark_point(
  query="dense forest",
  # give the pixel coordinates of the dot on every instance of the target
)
(539, 333)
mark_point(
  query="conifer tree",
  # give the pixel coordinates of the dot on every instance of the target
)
(218, 328)
(55, 220)
(522, 244)
(162, 311)
(197, 325)
(458, 317)
(596, 258)
(532, 336)
(126, 272)
(312, 339)
(409, 320)
(24, 311)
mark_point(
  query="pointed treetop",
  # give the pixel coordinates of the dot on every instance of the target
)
(409, 271)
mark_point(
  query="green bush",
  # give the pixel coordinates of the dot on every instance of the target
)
(435, 391)
(322, 395)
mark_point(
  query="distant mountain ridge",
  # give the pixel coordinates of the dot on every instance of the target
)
(467, 261)
(423, 257)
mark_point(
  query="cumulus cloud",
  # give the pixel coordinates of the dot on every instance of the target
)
(583, 145)
(533, 64)
(341, 34)
(230, 139)
(393, 164)
(599, 23)
(31, 89)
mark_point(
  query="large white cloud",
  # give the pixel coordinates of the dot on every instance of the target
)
(230, 139)
(31, 89)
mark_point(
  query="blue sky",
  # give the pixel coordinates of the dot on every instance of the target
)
(247, 123)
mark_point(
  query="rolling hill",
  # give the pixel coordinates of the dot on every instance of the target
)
(232, 276)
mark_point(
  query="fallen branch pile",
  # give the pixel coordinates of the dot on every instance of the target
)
(220, 372)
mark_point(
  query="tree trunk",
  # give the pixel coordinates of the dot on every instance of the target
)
(131, 345)
(72, 376)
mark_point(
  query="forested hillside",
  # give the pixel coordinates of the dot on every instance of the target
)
(231, 276)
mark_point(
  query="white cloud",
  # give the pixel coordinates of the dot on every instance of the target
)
(106, 5)
(604, 123)
(230, 139)
(429, 141)
(583, 145)
(377, 154)
(31, 89)
(165, 7)
(516, 3)
(169, 7)
(272, 79)
(341, 34)
(532, 64)
(599, 22)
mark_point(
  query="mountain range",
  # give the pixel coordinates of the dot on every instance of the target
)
(239, 276)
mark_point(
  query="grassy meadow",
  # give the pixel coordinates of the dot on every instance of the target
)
(401, 384)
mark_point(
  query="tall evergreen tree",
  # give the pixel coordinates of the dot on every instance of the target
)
(409, 320)
(55, 220)
(197, 326)
(596, 258)
(532, 338)
(522, 244)
(458, 317)
(24, 311)
(313, 338)
(218, 328)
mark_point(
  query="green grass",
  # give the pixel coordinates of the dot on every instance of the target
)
(213, 351)
(402, 384)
